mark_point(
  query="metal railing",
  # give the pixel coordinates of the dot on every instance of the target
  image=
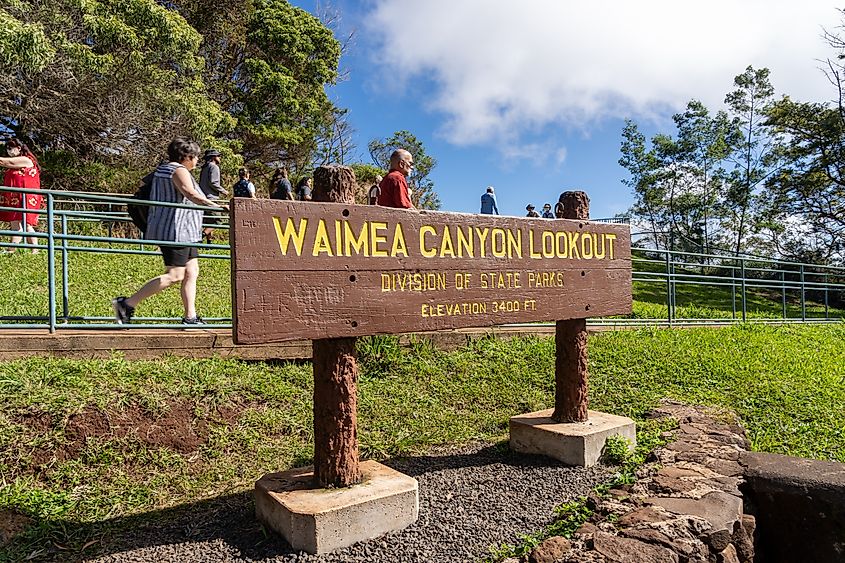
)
(670, 287)
(62, 209)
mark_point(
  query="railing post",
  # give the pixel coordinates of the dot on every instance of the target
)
(783, 292)
(51, 263)
(668, 288)
(733, 291)
(65, 290)
(803, 297)
(826, 311)
(742, 289)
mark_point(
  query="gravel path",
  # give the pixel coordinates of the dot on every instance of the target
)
(470, 499)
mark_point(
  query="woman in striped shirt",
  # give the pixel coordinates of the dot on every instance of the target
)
(172, 182)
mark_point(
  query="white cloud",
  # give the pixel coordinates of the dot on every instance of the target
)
(502, 69)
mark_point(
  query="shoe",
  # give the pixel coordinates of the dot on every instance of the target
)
(123, 313)
(193, 320)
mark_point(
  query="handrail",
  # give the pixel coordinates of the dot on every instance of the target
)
(736, 278)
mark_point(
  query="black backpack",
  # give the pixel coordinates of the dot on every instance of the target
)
(241, 188)
(139, 213)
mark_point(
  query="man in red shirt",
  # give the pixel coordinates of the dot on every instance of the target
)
(394, 186)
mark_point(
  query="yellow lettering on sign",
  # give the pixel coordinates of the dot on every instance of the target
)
(514, 243)
(453, 309)
(482, 236)
(611, 238)
(587, 246)
(465, 242)
(424, 230)
(497, 241)
(399, 245)
(285, 235)
(322, 243)
(531, 252)
(446, 246)
(359, 244)
(573, 244)
(548, 244)
(375, 238)
(561, 244)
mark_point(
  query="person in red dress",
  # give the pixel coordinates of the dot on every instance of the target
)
(394, 186)
(22, 171)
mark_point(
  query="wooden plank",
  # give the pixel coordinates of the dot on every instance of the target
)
(287, 295)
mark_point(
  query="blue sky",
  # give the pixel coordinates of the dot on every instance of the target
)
(531, 96)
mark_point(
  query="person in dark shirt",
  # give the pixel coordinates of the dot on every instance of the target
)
(547, 211)
(303, 189)
(394, 186)
(280, 187)
(531, 212)
(210, 186)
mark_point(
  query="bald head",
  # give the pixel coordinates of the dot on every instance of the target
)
(402, 161)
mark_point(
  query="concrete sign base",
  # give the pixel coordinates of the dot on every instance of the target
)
(324, 520)
(573, 443)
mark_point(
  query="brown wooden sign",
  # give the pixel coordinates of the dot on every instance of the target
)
(327, 270)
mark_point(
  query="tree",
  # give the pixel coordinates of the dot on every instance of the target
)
(106, 79)
(110, 81)
(423, 194)
(649, 194)
(705, 142)
(677, 182)
(755, 156)
(269, 63)
(806, 198)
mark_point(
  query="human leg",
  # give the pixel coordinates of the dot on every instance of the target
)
(32, 240)
(171, 275)
(189, 288)
(16, 226)
(175, 260)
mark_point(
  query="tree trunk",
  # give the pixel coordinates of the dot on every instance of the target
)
(571, 342)
(335, 371)
(335, 413)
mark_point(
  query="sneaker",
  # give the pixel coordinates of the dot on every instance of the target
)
(123, 313)
(193, 320)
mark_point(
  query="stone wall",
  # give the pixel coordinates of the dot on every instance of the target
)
(686, 505)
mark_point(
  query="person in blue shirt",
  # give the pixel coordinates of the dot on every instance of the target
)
(488, 202)
(547, 211)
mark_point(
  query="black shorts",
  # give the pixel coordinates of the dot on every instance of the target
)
(211, 218)
(178, 256)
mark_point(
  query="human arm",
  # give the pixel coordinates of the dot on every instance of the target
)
(404, 199)
(16, 162)
(184, 184)
(495, 207)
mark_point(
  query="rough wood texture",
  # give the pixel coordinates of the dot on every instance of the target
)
(571, 341)
(335, 362)
(334, 184)
(335, 413)
(320, 270)
(576, 205)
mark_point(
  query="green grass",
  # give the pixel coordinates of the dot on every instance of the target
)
(786, 383)
(94, 279)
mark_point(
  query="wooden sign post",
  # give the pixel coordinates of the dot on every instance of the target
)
(331, 271)
(335, 372)
(571, 341)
